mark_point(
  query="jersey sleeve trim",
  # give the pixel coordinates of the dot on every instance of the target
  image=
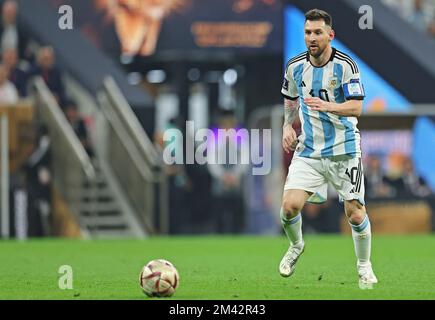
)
(344, 57)
(297, 58)
(288, 97)
(355, 98)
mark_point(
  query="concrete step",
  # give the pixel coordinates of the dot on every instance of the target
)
(112, 234)
(116, 222)
(99, 206)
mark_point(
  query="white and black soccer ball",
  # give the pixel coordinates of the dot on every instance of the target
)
(159, 278)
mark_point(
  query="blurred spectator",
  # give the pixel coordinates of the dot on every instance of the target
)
(227, 187)
(398, 6)
(377, 185)
(417, 16)
(16, 75)
(38, 183)
(11, 36)
(8, 92)
(79, 126)
(322, 218)
(199, 198)
(394, 165)
(419, 13)
(179, 184)
(52, 76)
(410, 184)
(260, 210)
(431, 27)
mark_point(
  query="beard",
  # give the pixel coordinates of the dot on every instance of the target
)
(316, 52)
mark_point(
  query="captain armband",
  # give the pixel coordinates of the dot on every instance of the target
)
(353, 90)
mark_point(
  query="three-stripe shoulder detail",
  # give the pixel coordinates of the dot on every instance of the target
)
(344, 57)
(298, 58)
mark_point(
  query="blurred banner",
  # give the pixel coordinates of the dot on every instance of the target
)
(385, 155)
(148, 27)
(424, 146)
(390, 146)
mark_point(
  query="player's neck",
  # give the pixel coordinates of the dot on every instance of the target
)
(323, 58)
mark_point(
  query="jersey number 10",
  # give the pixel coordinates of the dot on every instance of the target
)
(323, 94)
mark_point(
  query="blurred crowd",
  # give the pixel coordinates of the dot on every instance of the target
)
(399, 181)
(21, 60)
(207, 198)
(419, 13)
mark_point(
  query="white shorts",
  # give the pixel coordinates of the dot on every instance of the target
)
(313, 175)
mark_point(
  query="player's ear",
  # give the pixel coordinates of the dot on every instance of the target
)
(331, 35)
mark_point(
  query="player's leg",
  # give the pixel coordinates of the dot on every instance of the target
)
(303, 179)
(291, 219)
(362, 235)
(361, 230)
(348, 179)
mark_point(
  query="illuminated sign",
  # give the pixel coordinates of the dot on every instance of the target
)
(231, 34)
(148, 27)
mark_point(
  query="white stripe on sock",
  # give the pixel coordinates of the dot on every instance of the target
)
(292, 228)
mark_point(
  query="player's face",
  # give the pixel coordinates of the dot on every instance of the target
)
(318, 37)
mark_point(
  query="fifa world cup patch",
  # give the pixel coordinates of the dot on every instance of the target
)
(285, 84)
(353, 89)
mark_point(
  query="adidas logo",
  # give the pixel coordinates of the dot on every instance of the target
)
(363, 236)
(303, 84)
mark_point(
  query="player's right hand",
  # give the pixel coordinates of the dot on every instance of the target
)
(289, 139)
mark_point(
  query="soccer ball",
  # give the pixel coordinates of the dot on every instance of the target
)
(159, 278)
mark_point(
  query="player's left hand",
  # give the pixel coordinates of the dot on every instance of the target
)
(317, 104)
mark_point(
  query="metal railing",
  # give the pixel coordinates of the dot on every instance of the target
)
(271, 117)
(134, 160)
(72, 168)
(4, 176)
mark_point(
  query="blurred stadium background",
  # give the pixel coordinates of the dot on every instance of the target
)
(83, 113)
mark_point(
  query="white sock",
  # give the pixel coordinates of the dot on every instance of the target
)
(292, 228)
(362, 236)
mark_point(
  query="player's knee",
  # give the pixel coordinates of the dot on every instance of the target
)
(355, 212)
(291, 208)
(356, 216)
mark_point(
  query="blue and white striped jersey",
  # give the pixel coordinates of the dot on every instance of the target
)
(325, 134)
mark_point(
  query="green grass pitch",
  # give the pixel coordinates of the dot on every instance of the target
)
(227, 268)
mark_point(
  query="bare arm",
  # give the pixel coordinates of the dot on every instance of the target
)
(291, 108)
(351, 108)
(289, 137)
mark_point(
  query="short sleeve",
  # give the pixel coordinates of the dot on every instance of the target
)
(289, 89)
(353, 88)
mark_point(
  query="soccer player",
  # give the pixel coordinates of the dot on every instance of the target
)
(323, 86)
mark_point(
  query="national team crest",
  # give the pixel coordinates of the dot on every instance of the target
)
(333, 83)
